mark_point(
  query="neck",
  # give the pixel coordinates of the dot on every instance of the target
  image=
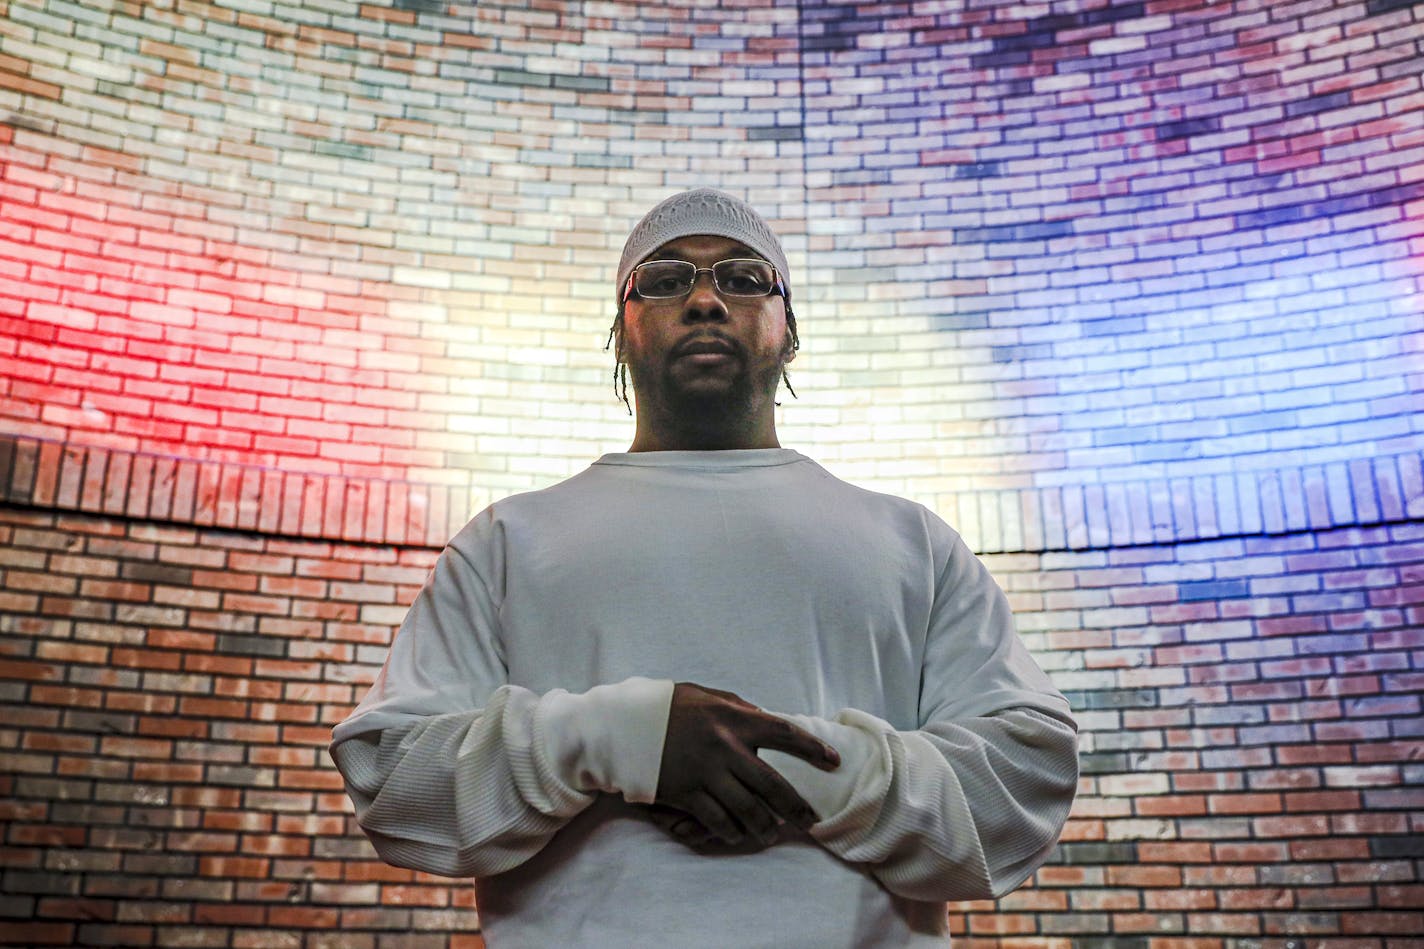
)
(704, 433)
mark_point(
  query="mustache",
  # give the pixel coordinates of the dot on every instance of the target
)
(707, 341)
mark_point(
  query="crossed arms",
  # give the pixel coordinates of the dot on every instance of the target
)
(474, 784)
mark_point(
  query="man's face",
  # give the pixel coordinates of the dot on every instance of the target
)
(705, 352)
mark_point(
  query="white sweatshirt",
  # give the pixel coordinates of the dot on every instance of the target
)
(516, 729)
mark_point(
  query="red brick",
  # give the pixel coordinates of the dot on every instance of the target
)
(1266, 899)
(1348, 848)
(1256, 853)
(30, 671)
(247, 688)
(1299, 801)
(1378, 923)
(126, 747)
(47, 835)
(212, 708)
(173, 727)
(141, 702)
(94, 768)
(304, 917)
(234, 867)
(33, 933)
(1180, 900)
(1244, 803)
(179, 639)
(75, 697)
(230, 914)
(294, 586)
(1173, 806)
(275, 845)
(268, 605)
(282, 757)
(1402, 897)
(146, 659)
(1184, 853)
(1002, 924)
(283, 712)
(167, 773)
(47, 741)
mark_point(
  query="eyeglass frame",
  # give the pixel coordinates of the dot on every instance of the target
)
(777, 286)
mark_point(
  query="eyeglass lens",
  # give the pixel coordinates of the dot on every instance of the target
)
(665, 279)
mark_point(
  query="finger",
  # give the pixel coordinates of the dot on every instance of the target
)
(687, 829)
(712, 815)
(679, 825)
(665, 817)
(781, 735)
(746, 807)
(732, 697)
(690, 832)
(767, 783)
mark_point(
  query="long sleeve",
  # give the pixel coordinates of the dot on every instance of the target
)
(477, 793)
(970, 803)
(953, 811)
(453, 770)
(461, 794)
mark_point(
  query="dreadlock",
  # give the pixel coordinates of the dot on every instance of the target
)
(620, 368)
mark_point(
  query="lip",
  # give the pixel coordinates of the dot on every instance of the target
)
(706, 358)
(706, 349)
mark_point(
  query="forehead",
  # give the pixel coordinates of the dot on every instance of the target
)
(702, 249)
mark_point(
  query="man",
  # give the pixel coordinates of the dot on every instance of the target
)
(704, 693)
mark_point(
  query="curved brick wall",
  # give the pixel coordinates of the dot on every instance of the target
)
(1131, 292)
(1130, 244)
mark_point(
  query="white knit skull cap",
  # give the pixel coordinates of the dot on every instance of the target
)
(699, 211)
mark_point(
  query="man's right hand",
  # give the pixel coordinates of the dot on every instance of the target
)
(710, 769)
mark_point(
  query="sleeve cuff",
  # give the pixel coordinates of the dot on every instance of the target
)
(864, 768)
(609, 738)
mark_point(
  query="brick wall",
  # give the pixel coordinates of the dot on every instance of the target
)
(169, 696)
(1129, 292)
(1252, 726)
(1250, 710)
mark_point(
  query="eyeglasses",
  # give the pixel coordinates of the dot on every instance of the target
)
(670, 279)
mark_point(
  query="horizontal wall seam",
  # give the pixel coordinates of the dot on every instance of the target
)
(36, 473)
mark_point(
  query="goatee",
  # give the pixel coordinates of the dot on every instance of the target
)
(706, 418)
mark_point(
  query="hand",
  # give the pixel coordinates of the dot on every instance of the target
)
(710, 769)
(688, 831)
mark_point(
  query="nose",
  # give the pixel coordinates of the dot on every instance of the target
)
(703, 302)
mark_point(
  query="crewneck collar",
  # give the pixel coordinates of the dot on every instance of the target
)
(718, 460)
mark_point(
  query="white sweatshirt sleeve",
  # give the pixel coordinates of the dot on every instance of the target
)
(950, 812)
(971, 803)
(478, 792)
(453, 770)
